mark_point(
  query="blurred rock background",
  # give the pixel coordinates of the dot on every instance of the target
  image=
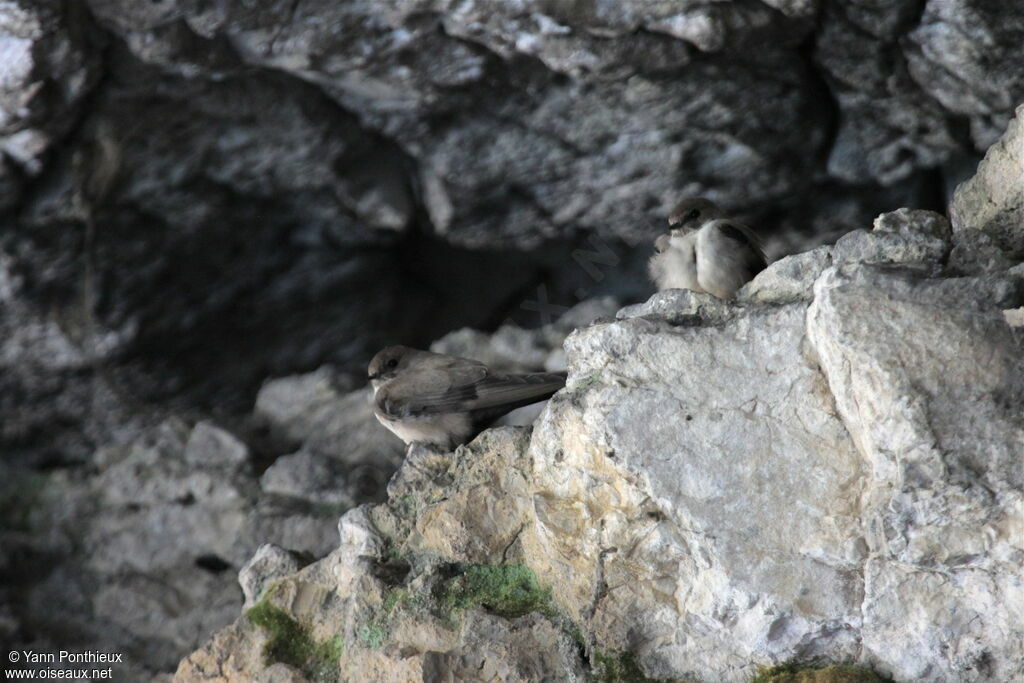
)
(200, 198)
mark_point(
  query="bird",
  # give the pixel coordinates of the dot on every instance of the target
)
(444, 401)
(705, 251)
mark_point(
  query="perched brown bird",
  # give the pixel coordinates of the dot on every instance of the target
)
(705, 251)
(444, 400)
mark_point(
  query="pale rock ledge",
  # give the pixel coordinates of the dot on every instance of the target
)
(829, 468)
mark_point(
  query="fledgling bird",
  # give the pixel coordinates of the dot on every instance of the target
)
(705, 251)
(444, 400)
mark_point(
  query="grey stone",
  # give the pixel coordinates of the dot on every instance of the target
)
(993, 200)
(197, 198)
(789, 279)
(588, 151)
(966, 54)
(795, 476)
(307, 475)
(303, 149)
(49, 66)
(975, 252)
(143, 555)
(332, 423)
(911, 238)
(270, 563)
(937, 421)
(512, 348)
(211, 445)
(677, 307)
(888, 126)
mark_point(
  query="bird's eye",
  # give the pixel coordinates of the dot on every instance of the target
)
(393, 363)
(693, 215)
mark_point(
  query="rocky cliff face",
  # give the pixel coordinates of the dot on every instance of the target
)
(248, 168)
(828, 469)
(140, 554)
(201, 203)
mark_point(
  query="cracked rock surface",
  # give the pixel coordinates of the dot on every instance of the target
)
(139, 553)
(202, 203)
(187, 184)
(828, 468)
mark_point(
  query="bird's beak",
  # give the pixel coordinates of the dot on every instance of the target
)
(374, 376)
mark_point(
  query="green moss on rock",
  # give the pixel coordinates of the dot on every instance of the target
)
(836, 673)
(372, 635)
(584, 384)
(291, 643)
(393, 599)
(619, 667)
(399, 597)
(507, 590)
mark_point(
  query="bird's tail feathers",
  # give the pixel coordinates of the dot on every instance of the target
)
(504, 393)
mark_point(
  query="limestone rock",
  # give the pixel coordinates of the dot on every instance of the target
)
(395, 603)
(976, 252)
(254, 164)
(788, 279)
(676, 306)
(584, 108)
(589, 150)
(197, 198)
(342, 451)
(311, 451)
(143, 556)
(270, 562)
(211, 445)
(937, 421)
(516, 349)
(858, 49)
(993, 200)
(965, 54)
(310, 476)
(49, 65)
(642, 465)
(918, 239)
(825, 469)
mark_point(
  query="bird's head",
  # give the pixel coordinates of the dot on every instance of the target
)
(690, 214)
(388, 363)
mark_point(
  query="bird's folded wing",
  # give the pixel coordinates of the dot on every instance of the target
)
(465, 391)
(746, 242)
